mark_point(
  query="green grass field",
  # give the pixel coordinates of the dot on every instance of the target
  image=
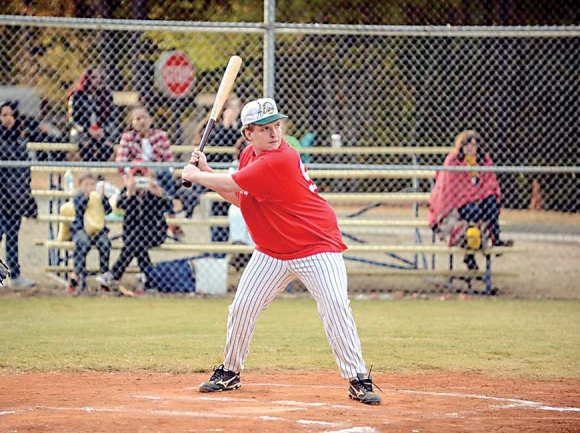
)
(539, 339)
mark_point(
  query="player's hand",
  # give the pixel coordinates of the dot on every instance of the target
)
(199, 157)
(190, 172)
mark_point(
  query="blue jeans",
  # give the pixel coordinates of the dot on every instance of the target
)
(83, 244)
(10, 226)
(485, 210)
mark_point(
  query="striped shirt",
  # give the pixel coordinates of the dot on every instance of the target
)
(131, 149)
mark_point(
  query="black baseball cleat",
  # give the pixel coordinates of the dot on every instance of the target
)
(361, 389)
(221, 380)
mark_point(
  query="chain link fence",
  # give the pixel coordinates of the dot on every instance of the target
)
(374, 111)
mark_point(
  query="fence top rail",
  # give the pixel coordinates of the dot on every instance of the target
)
(291, 28)
(47, 166)
(447, 31)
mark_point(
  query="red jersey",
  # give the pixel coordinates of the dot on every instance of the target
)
(285, 215)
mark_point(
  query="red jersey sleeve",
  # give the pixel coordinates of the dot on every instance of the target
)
(259, 179)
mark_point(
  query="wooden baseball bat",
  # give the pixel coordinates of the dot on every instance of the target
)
(221, 97)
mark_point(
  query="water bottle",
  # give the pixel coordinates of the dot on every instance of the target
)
(69, 181)
(335, 141)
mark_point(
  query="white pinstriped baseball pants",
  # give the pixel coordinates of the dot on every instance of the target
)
(324, 275)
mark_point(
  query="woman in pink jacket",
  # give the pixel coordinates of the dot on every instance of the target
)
(472, 196)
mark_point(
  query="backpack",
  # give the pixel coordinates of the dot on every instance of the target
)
(464, 234)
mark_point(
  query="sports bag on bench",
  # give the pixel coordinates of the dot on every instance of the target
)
(171, 276)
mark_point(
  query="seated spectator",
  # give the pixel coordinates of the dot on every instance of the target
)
(88, 229)
(144, 226)
(95, 146)
(146, 144)
(41, 131)
(38, 130)
(16, 200)
(471, 196)
(90, 102)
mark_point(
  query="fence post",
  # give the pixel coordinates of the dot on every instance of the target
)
(269, 48)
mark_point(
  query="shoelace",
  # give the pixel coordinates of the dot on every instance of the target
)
(368, 382)
(219, 372)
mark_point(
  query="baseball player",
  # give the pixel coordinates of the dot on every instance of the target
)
(296, 235)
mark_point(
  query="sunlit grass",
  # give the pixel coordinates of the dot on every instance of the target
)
(522, 338)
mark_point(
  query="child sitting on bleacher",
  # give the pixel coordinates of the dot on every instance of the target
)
(88, 229)
(144, 225)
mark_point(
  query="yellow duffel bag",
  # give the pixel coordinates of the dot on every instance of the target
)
(66, 210)
(94, 219)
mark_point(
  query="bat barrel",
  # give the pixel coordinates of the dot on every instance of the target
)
(223, 92)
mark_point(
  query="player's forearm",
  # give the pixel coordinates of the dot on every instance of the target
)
(222, 183)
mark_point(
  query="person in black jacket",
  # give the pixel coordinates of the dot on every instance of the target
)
(16, 200)
(96, 146)
(144, 225)
(90, 102)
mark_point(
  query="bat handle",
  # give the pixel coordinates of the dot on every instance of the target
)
(204, 139)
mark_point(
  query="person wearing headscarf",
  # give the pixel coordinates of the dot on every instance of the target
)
(472, 196)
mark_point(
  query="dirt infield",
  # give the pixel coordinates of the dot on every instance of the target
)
(283, 401)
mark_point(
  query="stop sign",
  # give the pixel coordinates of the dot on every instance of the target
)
(174, 74)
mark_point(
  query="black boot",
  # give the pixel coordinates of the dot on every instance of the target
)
(470, 262)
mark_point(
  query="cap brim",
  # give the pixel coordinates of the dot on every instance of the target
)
(269, 119)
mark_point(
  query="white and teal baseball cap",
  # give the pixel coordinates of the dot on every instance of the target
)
(260, 112)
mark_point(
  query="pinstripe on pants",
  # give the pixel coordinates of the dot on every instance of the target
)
(325, 277)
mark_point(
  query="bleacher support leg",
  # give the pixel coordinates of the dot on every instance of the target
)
(488, 287)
